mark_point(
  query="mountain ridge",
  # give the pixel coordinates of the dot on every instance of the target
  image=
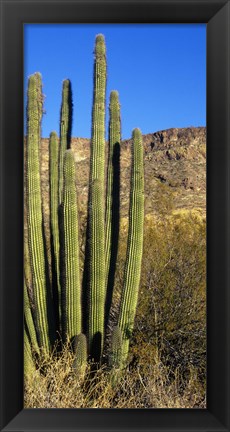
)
(174, 157)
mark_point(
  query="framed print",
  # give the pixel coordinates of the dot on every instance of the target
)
(125, 305)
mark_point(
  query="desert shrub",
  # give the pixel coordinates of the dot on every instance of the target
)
(171, 313)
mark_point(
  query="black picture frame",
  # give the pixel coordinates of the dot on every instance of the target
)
(216, 13)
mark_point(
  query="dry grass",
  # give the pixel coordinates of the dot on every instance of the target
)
(56, 385)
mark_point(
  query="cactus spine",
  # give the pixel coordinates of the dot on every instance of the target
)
(134, 246)
(114, 141)
(65, 129)
(71, 296)
(54, 205)
(96, 206)
(34, 208)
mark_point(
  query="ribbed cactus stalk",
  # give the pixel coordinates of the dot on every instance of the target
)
(71, 288)
(132, 271)
(27, 269)
(112, 196)
(65, 129)
(96, 206)
(29, 366)
(29, 322)
(54, 206)
(34, 208)
(80, 351)
(116, 347)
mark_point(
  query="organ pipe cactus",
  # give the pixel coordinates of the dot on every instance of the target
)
(71, 288)
(34, 208)
(102, 236)
(96, 206)
(132, 271)
(54, 205)
(65, 129)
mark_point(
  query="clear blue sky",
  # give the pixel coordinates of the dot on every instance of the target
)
(159, 71)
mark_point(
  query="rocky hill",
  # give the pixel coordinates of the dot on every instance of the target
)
(173, 157)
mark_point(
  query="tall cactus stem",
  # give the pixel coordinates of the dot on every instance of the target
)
(132, 271)
(54, 215)
(65, 128)
(96, 206)
(112, 197)
(34, 208)
(71, 289)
